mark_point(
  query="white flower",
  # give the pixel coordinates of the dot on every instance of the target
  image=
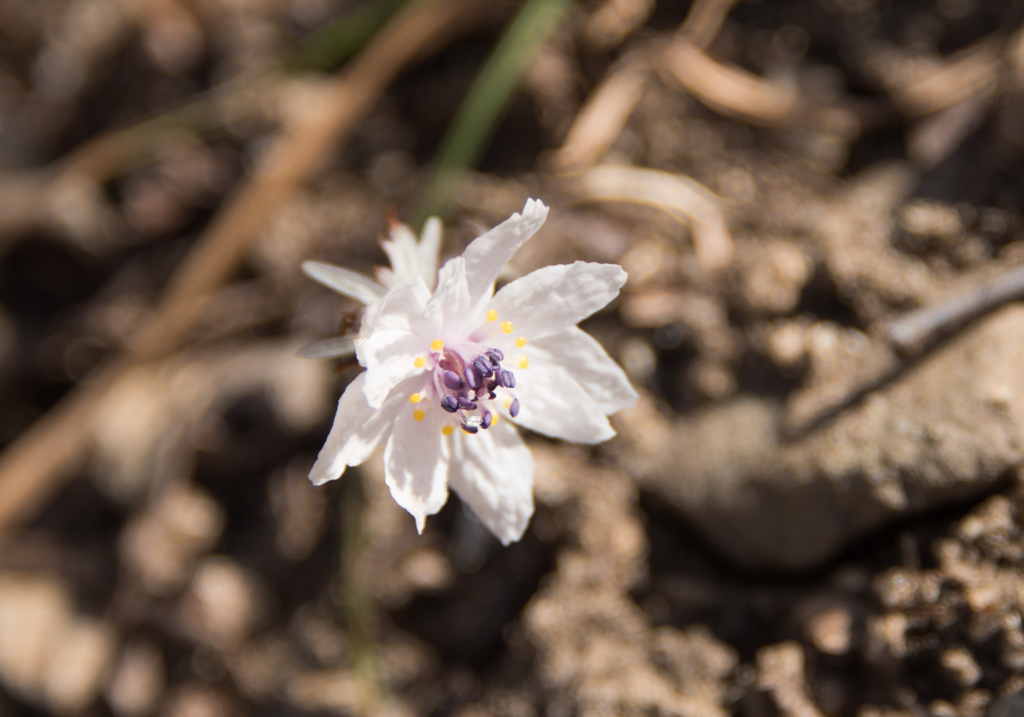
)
(442, 368)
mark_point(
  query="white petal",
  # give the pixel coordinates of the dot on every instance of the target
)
(389, 357)
(552, 403)
(385, 277)
(403, 254)
(449, 306)
(429, 249)
(353, 285)
(329, 348)
(492, 472)
(357, 431)
(590, 365)
(557, 297)
(399, 308)
(405, 301)
(416, 463)
(489, 252)
(389, 347)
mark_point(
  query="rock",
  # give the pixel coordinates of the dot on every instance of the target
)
(139, 680)
(947, 429)
(79, 665)
(830, 629)
(49, 655)
(223, 604)
(34, 609)
(195, 699)
(780, 672)
(161, 546)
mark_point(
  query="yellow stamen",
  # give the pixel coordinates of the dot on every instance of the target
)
(492, 315)
(415, 398)
(508, 402)
(523, 362)
(521, 342)
(419, 414)
(418, 363)
(447, 430)
(494, 417)
(507, 326)
(466, 432)
(437, 344)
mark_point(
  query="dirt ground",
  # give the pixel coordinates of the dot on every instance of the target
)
(814, 510)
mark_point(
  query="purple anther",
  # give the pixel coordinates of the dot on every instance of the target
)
(492, 395)
(466, 405)
(508, 380)
(491, 385)
(469, 429)
(485, 422)
(493, 358)
(452, 380)
(449, 404)
(513, 408)
(472, 378)
(496, 353)
(483, 368)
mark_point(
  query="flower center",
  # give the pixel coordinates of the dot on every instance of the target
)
(466, 380)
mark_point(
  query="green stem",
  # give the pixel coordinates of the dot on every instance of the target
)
(477, 119)
(331, 45)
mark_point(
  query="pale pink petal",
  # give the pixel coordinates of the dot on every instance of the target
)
(487, 254)
(357, 431)
(409, 257)
(449, 306)
(403, 253)
(349, 283)
(390, 359)
(398, 309)
(590, 365)
(557, 297)
(552, 403)
(429, 249)
(492, 472)
(416, 463)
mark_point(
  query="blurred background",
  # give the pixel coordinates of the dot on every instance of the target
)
(814, 509)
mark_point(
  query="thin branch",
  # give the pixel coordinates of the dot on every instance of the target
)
(914, 332)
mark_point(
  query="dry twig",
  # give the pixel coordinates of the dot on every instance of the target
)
(914, 332)
(608, 108)
(973, 71)
(681, 197)
(735, 92)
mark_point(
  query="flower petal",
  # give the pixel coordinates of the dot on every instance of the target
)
(557, 297)
(416, 464)
(387, 345)
(590, 365)
(493, 474)
(489, 252)
(449, 306)
(329, 348)
(429, 249)
(402, 251)
(398, 308)
(552, 403)
(389, 358)
(357, 431)
(353, 285)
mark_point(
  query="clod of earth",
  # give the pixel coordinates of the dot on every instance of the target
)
(947, 429)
